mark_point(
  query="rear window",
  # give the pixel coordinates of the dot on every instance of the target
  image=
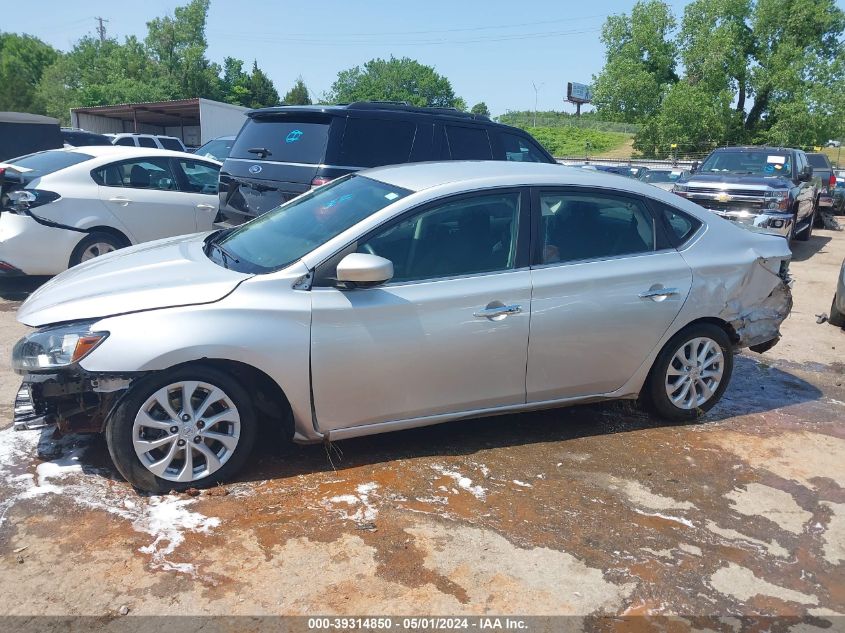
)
(44, 163)
(818, 160)
(374, 142)
(285, 140)
(171, 143)
(468, 143)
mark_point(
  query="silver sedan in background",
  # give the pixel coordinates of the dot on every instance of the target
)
(394, 298)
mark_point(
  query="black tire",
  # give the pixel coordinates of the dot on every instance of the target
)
(654, 392)
(804, 235)
(836, 317)
(119, 429)
(91, 240)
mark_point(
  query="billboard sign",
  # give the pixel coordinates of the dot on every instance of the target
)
(578, 93)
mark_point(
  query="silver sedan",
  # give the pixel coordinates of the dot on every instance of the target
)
(394, 298)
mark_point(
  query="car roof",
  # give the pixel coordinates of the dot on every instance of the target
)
(125, 151)
(490, 173)
(376, 108)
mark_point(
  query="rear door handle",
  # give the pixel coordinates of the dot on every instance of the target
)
(658, 294)
(120, 200)
(210, 207)
(491, 312)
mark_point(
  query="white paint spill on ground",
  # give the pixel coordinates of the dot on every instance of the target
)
(165, 518)
(522, 484)
(686, 522)
(364, 509)
(463, 482)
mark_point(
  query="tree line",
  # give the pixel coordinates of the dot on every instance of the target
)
(729, 72)
(171, 63)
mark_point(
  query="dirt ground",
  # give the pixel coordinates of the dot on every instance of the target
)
(588, 510)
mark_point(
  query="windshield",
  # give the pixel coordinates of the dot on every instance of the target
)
(818, 160)
(284, 235)
(40, 164)
(757, 163)
(217, 149)
(660, 176)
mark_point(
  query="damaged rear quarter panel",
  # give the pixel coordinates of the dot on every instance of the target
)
(736, 277)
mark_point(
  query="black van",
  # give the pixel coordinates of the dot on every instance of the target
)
(284, 151)
(22, 133)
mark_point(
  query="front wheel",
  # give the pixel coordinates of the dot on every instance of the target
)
(804, 235)
(186, 428)
(691, 373)
(836, 317)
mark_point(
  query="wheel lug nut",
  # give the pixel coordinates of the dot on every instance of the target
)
(200, 424)
(185, 417)
(174, 429)
(180, 443)
(197, 439)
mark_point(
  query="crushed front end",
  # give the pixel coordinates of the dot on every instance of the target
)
(55, 389)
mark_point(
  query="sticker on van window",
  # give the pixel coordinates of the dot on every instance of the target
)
(293, 136)
(777, 160)
(391, 196)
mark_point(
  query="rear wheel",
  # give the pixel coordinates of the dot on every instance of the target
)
(94, 245)
(186, 428)
(691, 373)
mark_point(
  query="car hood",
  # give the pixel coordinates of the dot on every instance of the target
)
(735, 179)
(161, 274)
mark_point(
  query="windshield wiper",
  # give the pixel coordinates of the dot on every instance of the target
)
(225, 255)
(263, 152)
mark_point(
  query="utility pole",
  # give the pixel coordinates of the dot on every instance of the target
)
(536, 91)
(101, 28)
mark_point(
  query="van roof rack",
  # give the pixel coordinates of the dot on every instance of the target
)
(408, 107)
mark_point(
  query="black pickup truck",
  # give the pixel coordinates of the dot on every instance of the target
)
(767, 187)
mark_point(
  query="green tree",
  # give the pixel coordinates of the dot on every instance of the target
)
(262, 91)
(394, 79)
(298, 95)
(640, 62)
(480, 108)
(177, 45)
(23, 60)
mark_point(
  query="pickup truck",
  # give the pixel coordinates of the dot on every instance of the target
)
(767, 187)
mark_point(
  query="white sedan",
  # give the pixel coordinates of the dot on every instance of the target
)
(65, 206)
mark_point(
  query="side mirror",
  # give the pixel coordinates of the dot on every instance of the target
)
(362, 270)
(694, 167)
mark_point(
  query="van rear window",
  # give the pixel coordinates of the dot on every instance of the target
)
(285, 139)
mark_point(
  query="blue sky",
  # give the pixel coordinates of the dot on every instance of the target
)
(491, 51)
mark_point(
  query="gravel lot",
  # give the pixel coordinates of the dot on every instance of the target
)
(588, 510)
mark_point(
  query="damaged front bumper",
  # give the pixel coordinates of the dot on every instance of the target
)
(72, 400)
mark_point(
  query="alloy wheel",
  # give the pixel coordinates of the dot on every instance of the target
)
(694, 373)
(186, 431)
(95, 250)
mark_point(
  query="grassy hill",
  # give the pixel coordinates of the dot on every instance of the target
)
(573, 141)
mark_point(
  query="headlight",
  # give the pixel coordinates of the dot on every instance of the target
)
(55, 347)
(777, 200)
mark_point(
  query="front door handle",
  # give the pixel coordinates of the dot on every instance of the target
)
(210, 207)
(497, 311)
(659, 294)
(120, 200)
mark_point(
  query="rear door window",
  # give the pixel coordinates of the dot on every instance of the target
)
(125, 140)
(171, 143)
(144, 141)
(521, 150)
(374, 142)
(285, 140)
(468, 143)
